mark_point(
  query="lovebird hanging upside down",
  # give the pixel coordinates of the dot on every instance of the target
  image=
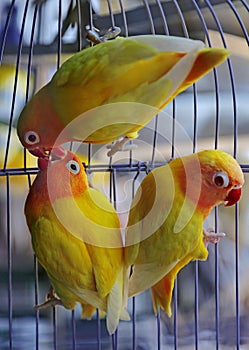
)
(76, 237)
(112, 90)
(165, 227)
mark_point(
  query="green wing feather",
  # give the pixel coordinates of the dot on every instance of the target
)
(101, 61)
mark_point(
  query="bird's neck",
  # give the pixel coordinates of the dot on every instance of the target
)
(45, 191)
(191, 183)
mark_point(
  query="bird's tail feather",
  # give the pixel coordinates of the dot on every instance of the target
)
(142, 278)
(116, 303)
(162, 294)
(87, 311)
(90, 297)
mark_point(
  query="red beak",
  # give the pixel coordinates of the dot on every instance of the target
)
(39, 152)
(56, 153)
(233, 196)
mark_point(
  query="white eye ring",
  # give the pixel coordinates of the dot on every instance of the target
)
(221, 179)
(73, 166)
(31, 137)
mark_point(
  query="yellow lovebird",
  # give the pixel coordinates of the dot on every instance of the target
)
(112, 90)
(165, 227)
(76, 237)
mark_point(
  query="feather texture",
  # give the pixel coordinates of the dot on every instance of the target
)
(83, 263)
(113, 89)
(165, 226)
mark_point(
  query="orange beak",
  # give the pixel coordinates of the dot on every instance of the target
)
(233, 196)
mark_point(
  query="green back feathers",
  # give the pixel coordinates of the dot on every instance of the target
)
(85, 64)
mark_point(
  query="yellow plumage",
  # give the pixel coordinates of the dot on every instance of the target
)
(67, 221)
(165, 226)
(113, 89)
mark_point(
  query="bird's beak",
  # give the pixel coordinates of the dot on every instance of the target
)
(47, 153)
(39, 152)
(55, 154)
(233, 196)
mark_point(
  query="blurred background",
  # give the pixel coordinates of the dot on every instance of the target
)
(211, 305)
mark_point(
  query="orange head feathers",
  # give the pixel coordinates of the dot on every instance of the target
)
(209, 178)
(57, 179)
(65, 177)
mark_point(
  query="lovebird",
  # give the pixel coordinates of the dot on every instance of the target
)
(165, 226)
(112, 90)
(75, 234)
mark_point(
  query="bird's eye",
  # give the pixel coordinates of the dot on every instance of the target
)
(221, 179)
(73, 166)
(31, 138)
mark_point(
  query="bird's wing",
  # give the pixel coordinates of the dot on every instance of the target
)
(108, 60)
(162, 290)
(146, 275)
(106, 246)
(69, 265)
(146, 208)
(144, 99)
(149, 210)
(153, 245)
(127, 74)
(53, 244)
(91, 219)
(205, 61)
(64, 257)
(164, 43)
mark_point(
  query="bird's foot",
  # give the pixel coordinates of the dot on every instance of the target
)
(120, 145)
(51, 300)
(96, 36)
(110, 33)
(209, 236)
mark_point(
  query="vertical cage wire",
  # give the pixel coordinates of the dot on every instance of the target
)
(15, 83)
(151, 17)
(5, 30)
(10, 299)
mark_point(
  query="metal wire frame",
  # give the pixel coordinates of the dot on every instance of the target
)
(136, 168)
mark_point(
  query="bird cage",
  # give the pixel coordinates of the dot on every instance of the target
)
(210, 298)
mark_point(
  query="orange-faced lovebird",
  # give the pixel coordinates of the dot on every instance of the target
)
(165, 227)
(112, 90)
(76, 237)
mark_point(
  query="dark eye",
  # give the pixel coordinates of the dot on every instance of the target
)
(31, 138)
(73, 166)
(221, 179)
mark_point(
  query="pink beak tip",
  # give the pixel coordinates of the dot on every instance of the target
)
(58, 152)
